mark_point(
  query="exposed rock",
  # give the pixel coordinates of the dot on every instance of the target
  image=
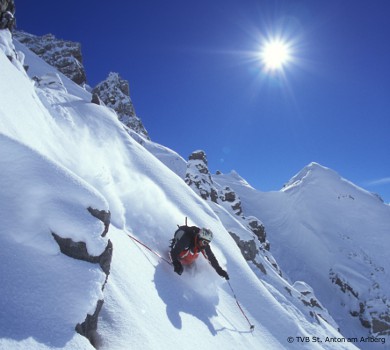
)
(96, 99)
(248, 248)
(115, 93)
(198, 176)
(307, 295)
(64, 55)
(103, 216)
(78, 250)
(249, 251)
(373, 312)
(228, 195)
(89, 326)
(200, 155)
(344, 286)
(303, 292)
(7, 12)
(257, 227)
(381, 325)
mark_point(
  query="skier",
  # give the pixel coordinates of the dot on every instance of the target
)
(188, 242)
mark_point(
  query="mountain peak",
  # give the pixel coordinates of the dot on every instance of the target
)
(115, 93)
(309, 173)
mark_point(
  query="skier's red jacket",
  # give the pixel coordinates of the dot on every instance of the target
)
(186, 249)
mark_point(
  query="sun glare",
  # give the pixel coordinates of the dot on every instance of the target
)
(275, 54)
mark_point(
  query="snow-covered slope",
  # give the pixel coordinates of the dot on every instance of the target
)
(61, 154)
(326, 231)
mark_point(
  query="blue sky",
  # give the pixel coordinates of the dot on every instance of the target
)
(197, 83)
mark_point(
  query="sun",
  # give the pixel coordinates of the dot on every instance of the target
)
(275, 54)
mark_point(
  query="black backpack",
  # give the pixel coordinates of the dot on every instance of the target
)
(181, 231)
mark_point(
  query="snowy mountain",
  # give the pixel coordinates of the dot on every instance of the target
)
(337, 234)
(83, 193)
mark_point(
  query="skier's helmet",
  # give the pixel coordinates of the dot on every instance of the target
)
(206, 234)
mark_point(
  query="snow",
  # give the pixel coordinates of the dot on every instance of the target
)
(60, 154)
(330, 227)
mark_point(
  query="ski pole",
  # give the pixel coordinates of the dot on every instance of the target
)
(144, 245)
(252, 327)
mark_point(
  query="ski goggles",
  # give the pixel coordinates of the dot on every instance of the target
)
(204, 242)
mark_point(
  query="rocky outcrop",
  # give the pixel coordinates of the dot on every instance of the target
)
(78, 250)
(89, 326)
(114, 92)
(199, 178)
(373, 312)
(7, 12)
(103, 216)
(64, 55)
(249, 251)
(257, 227)
(228, 195)
(303, 292)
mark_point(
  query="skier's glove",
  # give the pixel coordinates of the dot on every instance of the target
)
(177, 267)
(223, 274)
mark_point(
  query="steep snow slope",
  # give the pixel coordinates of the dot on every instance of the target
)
(328, 232)
(53, 125)
(39, 283)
